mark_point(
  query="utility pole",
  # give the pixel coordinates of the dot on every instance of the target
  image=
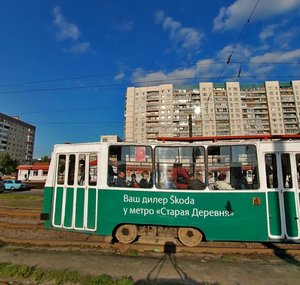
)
(190, 126)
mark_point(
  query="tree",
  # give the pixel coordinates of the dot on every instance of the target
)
(45, 158)
(7, 164)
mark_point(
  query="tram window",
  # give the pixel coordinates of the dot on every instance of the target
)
(71, 171)
(237, 163)
(61, 169)
(298, 167)
(127, 162)
(81, 170)
(176, 165)
(271, 170)
(93, 162)
(286, 170)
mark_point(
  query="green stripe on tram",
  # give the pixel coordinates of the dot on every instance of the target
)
(91, 214)
(80, 202)
(290, 214)
(274, 213)
(69, 207)
(58, 205)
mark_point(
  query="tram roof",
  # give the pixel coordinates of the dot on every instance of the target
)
(263, 137)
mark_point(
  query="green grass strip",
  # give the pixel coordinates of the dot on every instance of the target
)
(20, 197)
(60, 277)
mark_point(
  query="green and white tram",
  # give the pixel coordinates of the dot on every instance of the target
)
(261, 203)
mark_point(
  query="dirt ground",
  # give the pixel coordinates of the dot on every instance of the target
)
(162, 268)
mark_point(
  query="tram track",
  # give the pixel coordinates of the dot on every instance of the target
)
(25, 228)
(19, 212)
(142, 248)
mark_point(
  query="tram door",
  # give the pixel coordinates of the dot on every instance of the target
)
(283, 195)
(75, 194)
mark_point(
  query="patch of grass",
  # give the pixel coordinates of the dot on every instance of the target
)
(21, 200)
(21, 197)
(133, 253)
(60, 277)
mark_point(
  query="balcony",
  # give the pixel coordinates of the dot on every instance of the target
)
(152, 98)
(152, 108)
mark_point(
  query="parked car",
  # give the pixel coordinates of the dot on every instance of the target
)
(2, 186)
(15, 185)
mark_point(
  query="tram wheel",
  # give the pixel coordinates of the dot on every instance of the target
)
(126, 233)
(189, 236)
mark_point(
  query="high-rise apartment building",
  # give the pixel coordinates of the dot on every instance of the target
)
(16, 138)
(211, 109)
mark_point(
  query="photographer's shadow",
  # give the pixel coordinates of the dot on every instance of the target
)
(153, 276)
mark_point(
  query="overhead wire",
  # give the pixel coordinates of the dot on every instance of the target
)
(65, 110)
(234, 47)
(243, 51)
(168, 80)
(239, 37)
(138, 82)
(101, 75)
(79, 122)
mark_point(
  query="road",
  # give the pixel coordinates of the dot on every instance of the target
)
(161, 268)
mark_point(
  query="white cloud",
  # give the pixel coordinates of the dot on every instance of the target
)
(239, 53)
(283, 34)
(203, 68)
(68, 31)
(79, 48)
(120, 76)
(265, 63)
(243, 60)
(276, 57)
(286, 36)
(184, 38)
(65, 30)
(267, 32)
(124, 26)
(238, 13)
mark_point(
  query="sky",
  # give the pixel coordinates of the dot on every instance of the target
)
(65, 65)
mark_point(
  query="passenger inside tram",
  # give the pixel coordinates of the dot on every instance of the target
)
(180, 176)
(196, 182)
(133, 182)
(238, 178)
(121, 179)
(211, 180)
(110, 173)
(221, 183)
(271, 171)
(146, 181)
(81, 172)
(168, 182)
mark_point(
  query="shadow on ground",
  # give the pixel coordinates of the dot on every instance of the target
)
(153, 277)
(282, 254)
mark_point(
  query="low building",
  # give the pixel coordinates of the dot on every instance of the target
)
(34, 172)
